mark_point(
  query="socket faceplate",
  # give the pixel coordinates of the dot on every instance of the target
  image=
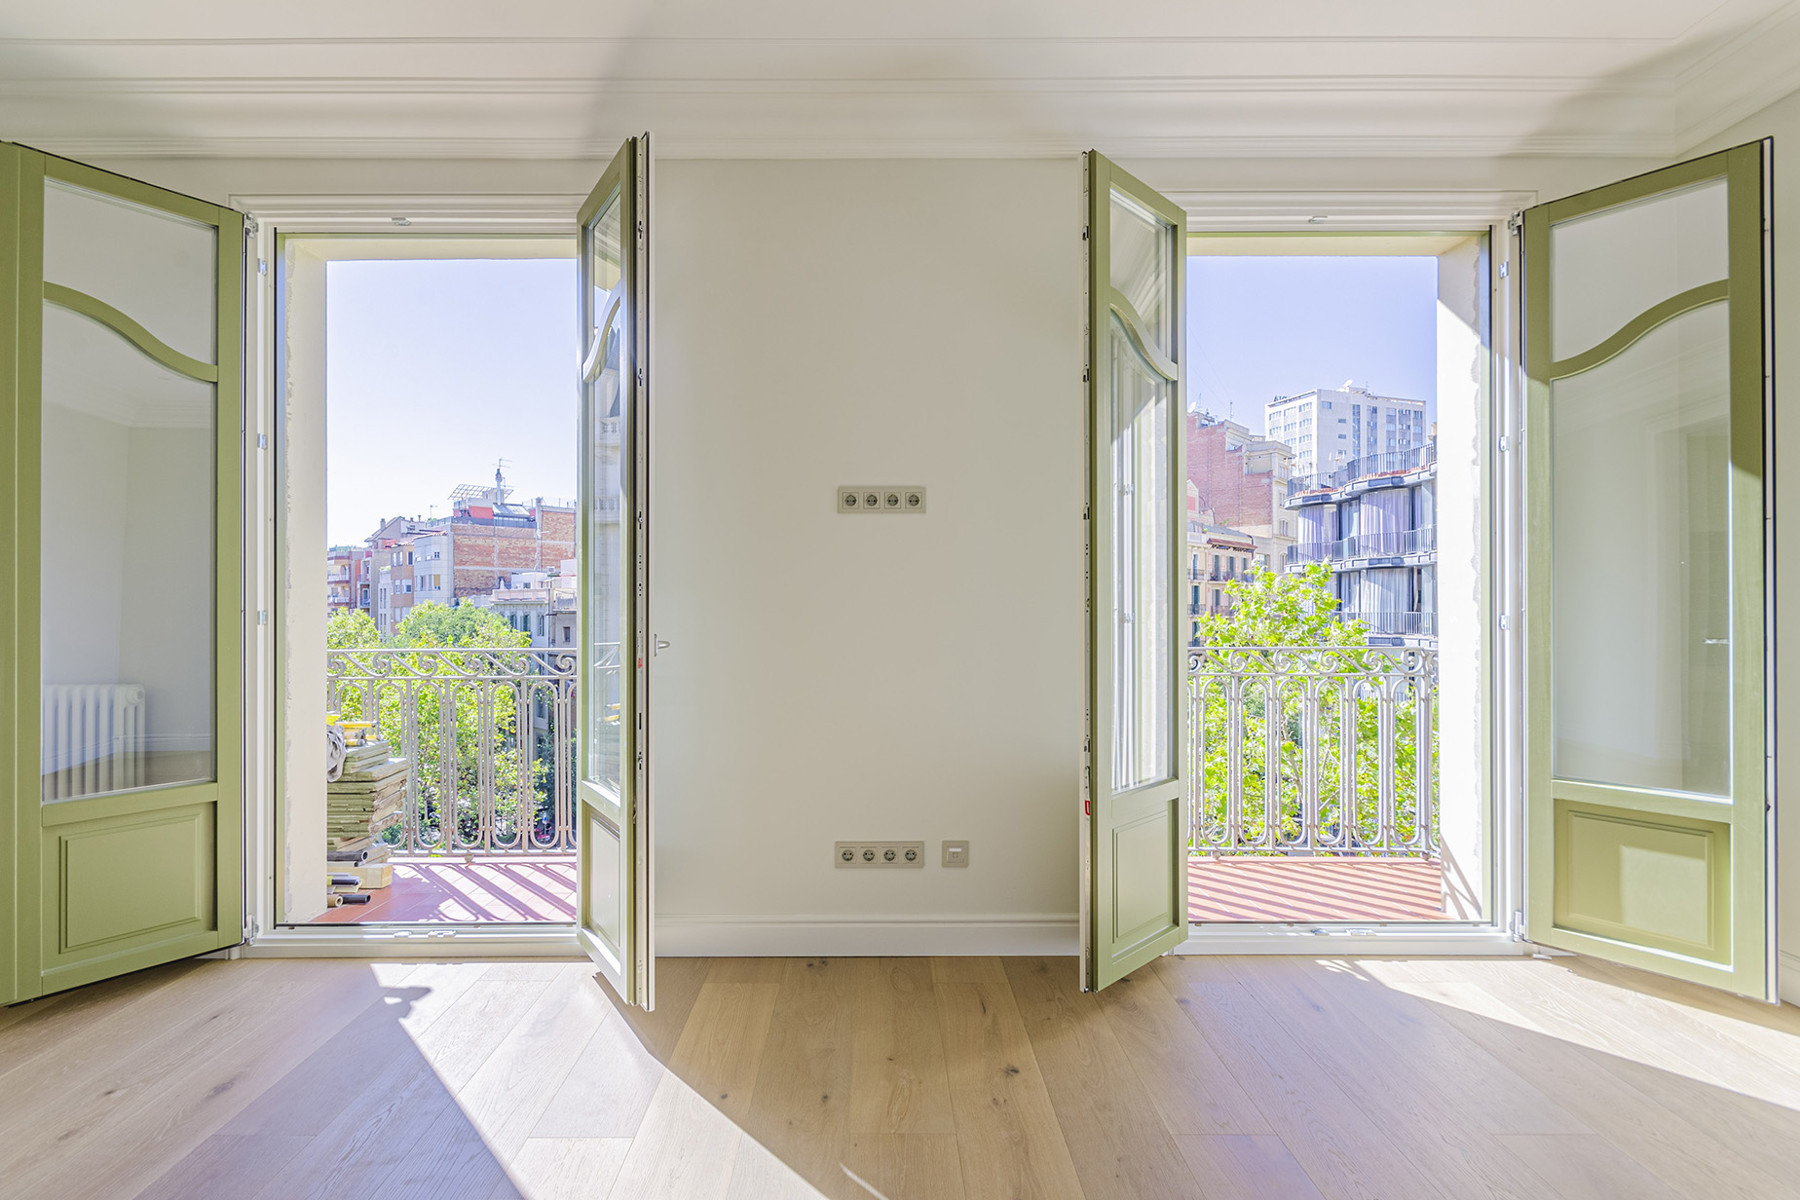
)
(878, 854)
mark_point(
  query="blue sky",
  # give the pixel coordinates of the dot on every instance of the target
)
(435, 369)
(1267, 326)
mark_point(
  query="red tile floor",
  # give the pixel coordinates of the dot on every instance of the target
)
(502, 890)
(488, 890)
(1319, 888)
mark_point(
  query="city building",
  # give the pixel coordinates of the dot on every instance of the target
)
(1374, 522)
(1238, 479)
(340, 578)
(1328, 427)
(1216, 556)
(540, 603)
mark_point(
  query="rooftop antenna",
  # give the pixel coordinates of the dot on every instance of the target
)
(499, 480)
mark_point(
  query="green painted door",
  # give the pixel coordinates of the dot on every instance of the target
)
(1648, 359)
(1133, 850)
(121, 418)
(614, 813)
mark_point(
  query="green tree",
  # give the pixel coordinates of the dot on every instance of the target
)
(1293, 670)
(434, 671)
(1292, 609)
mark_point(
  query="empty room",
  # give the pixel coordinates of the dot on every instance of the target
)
(955, 602)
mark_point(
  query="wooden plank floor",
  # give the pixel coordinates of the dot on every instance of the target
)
(956, 1078)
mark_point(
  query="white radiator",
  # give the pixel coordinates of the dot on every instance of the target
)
(93, 738)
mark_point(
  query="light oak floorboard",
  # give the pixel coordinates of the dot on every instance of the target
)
(1193, 1091)
(721, 1049)
(898, 1081)
(1006, 1127)
(1116, 1138)
(564, 1168)
(1585, 1167)
(910, 1079)
(1247, 1167)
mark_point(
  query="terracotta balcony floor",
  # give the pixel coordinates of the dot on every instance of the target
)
(1320, 888)
(495, 889)
(542, 889)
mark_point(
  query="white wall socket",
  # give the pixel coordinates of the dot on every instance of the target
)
(878, 854)
(880, 498)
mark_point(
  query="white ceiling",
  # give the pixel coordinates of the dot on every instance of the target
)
(1157, 78)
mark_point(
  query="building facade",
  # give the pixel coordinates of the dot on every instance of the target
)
(1374, 523)
(1331, 427)
(1238, 480)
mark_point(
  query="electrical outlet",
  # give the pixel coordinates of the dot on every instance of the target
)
(956, 854)
(878, 854)
(880, 498)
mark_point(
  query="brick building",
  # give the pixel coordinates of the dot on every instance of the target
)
(490, 538)
(1239, 481)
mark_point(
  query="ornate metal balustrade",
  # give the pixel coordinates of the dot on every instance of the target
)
(490, 735)
(1321, 749)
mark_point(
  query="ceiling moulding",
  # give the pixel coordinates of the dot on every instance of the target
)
(1647, 89)
(1745, 75)
(675, 145)
(1447, 211)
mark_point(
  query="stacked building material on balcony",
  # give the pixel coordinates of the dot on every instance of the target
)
(362, 802)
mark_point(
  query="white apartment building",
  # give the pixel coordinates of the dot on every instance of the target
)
(1329, 427)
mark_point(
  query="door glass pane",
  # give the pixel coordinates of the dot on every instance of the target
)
(127, 626)
(159, 269)
(1143, 619)
(605, 568)
(1142, 257)
(1611, 265)
(1640, 575)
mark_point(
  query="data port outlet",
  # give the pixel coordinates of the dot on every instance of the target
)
(882, 855)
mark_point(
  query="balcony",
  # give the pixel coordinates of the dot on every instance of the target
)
(1371, 471)
(1313, 784)
(487, 830)
(1396, 543)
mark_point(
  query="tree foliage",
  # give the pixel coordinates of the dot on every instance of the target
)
(1338, 701)
(433, 697)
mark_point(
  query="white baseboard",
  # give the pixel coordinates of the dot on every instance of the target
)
(700, 935)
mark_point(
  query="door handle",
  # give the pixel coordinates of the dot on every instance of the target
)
(658, 646)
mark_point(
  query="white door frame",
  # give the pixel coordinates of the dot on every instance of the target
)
(1407, 212)
(433, 215)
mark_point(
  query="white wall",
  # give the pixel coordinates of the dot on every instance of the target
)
(831, 677)
(841, 677)
(1781, 121)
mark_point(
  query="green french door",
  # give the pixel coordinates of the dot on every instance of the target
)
(1133, 897)
(1647, 353)
(613, 785)
(120, 574)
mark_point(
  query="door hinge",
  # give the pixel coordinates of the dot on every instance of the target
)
(262, 441)
(1515, 222)
(1504, 269)
(262, 266)
(262, 616)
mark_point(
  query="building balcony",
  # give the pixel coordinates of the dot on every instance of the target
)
(1312, 777)
(1394, 468)
(1399, 545)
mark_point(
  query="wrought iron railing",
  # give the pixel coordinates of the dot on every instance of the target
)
(489, 735)
(1312, 749)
